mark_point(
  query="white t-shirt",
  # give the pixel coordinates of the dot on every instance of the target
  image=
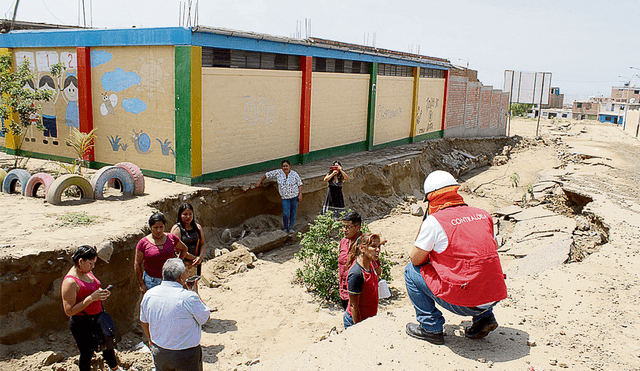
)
(432, 236)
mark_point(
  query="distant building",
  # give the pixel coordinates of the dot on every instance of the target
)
(585, 109)
(626, 93)
(556, 100)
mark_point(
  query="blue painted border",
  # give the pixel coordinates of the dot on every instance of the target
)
(75, 38)
(184, 36)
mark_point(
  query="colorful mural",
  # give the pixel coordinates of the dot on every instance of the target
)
(133, 102)
(62, 110)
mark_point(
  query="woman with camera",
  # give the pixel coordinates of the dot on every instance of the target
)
(334, 200)
(82, 301)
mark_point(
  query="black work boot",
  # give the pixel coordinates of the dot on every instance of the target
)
(416, 331)
(481, 328)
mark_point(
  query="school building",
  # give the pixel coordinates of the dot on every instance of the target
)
(196, 104)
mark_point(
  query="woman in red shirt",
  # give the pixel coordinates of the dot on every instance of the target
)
(82, 301)
(363, 279)
(153, 250)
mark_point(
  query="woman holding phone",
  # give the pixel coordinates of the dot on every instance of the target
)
(335, 201)
(82, 300)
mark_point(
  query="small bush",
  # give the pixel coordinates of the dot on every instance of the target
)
(76, 219)
(319, 249)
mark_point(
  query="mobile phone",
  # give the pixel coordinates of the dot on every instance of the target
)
(109, 287)
(334, 168)
(193, 279)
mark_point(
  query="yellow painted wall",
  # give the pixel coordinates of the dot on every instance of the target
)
(60, 107)
(430, 100)
(248, 116)
(134, 105)
(338, 109)
(394, 99)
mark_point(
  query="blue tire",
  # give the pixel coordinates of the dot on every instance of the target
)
(99, 179)
(13, 177)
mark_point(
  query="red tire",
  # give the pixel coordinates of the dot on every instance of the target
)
(136, 174)
(34, 183)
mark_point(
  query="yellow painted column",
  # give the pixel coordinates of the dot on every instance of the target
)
(414, 108)
(196, 111)
(10, 140)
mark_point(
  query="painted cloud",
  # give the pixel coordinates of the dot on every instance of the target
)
(99, 57)
(119, 80)
(134, 105)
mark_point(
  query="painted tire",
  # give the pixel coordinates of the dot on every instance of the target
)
(99, 179)
(2, 175)
(54, 193)
(136, 174)
(15, 175)
(37, 180)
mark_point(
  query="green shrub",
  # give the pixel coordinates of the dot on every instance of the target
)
(319, 248)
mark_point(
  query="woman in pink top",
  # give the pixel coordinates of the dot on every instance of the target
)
(82, 301)
(153, 250)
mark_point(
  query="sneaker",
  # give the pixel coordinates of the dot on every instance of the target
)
(481, 328)
(416, 331)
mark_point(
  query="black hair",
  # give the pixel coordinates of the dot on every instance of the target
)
(285, 162)
(353, 217)
(339, 175)
(157, 217)
(193, 223)
(31, 84)
(84, 252)
(46, 80)
(70, 80)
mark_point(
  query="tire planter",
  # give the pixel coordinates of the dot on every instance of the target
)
(2, 175)
(136, 174)
(99, 179)
(54, 193)
(15, 175)
(35, 182)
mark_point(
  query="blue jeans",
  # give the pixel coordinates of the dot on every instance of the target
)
(289, 208)
(429, 317)
(347, 320)
(150, 282)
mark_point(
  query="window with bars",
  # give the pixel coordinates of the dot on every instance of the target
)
(320, 64)
(394, 70)
(432, 73)
(231, 58)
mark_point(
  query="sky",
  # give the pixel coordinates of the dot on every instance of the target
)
(588, 46)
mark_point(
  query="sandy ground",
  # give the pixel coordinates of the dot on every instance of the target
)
(578, 316)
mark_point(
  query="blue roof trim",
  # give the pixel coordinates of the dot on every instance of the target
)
(97, 38)
(184, 36)
(214, 40)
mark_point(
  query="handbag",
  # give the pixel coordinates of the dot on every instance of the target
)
(105, 333)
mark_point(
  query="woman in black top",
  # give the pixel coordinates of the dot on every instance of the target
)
(190, 233)
(334, 200)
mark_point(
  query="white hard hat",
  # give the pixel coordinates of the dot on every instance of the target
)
(437, 180)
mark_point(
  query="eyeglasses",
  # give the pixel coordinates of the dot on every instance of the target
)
(348, 226)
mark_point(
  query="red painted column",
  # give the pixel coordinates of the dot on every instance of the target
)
(444, 99)
(85, 104)
(305, 105)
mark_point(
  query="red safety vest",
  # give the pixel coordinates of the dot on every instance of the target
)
(468, 273)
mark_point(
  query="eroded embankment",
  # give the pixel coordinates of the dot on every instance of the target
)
(30, 303)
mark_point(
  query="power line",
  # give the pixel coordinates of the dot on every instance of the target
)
(45, 6)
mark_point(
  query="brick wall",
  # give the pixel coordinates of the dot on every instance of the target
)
(474, 110)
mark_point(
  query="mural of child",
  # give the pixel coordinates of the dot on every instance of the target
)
(70, 94)
(49, 111)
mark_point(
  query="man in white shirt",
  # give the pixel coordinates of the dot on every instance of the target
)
(172, 318)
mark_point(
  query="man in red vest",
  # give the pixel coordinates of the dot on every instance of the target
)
(454, 262)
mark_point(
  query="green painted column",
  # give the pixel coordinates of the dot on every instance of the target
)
(183, 113)
(371, 111)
